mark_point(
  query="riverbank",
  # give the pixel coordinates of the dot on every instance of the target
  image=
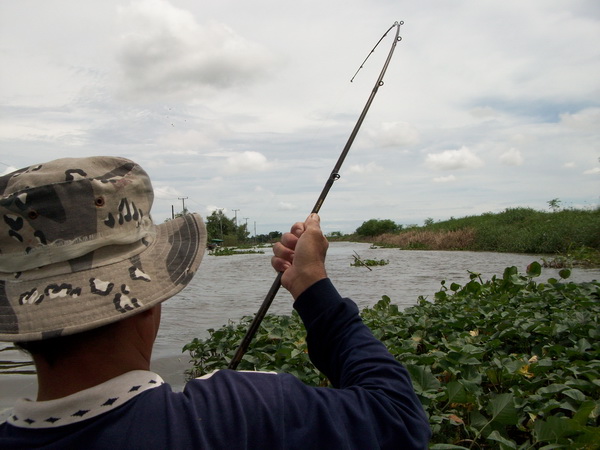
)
(567, 238)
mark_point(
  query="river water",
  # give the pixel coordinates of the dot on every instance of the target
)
(230, 287)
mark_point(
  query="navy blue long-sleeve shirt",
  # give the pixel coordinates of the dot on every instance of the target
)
(372, 404)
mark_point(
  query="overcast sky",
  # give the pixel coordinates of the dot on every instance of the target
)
(246, 105)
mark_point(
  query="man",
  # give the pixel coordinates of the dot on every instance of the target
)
(83, 274)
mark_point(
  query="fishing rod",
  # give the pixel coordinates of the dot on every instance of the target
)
(334, 176)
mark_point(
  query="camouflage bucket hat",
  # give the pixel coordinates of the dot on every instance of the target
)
(78, 248)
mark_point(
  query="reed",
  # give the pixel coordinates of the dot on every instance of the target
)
(462, 239)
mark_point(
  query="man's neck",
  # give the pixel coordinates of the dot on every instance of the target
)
(72, 375)
(121, 348)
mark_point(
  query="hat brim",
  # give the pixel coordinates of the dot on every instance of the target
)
(96, 294)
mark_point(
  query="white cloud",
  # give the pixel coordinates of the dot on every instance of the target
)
(511, 157)
(484, 112)
(164, 51)
(286, 206)
(211, 208)
(462, 158)
(570, 165)
(186, 142)
(594, 171)
(365, 168)
(586, 119)
(166, 192)
(448, 179)
(395, 134)
(246, 162)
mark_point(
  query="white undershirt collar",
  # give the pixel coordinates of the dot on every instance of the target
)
(83, 404)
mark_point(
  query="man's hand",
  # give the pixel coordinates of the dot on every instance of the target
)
(300, 255)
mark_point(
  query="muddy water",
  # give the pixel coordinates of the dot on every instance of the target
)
(229, 287)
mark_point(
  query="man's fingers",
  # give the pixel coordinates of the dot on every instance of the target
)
(297, 229)
(283, 251)
(313, 220)
(279, 264)
(288, 240)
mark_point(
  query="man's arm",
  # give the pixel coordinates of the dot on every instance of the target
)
(374, 390)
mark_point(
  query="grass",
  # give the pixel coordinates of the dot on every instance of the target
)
(570, 234)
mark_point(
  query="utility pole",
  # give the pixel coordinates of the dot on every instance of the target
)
(246, 231)
(235, 219)
(183, 203)
(221, 221)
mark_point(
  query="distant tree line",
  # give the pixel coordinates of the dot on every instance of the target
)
(223, 229)
(518, 230)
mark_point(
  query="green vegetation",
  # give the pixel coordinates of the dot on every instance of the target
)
(219, 226)
(569, 233)
(227, 232)
(369, 262)
(506, 363)
(376, 227)
(228, 251)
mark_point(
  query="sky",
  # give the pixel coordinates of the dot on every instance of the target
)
(246, 106)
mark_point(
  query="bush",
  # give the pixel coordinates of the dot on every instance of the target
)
(375, 227)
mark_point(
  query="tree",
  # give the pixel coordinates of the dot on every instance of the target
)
(242, 233)
(218, 225)
(375, 227)
(554, 204)
(275, 235)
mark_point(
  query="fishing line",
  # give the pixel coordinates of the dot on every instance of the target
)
(373, 49)
(334, 176)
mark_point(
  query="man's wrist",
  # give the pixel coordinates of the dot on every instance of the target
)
(302, 283)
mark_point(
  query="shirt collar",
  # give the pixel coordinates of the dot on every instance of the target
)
(83, 404)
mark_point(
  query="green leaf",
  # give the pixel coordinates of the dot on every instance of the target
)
(564, 273)
(575, 394)
(422, 379)
(456, 392)
(552, 389)
(503, 411)
(504, 442)
(555, 428)
(534, 269)
(584, 412)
